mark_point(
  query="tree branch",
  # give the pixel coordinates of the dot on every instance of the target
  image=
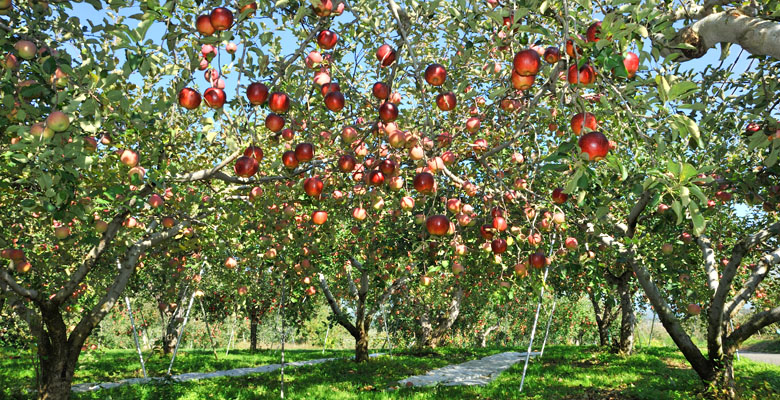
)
(340, 318)
(757, 36)
(31, 294)
(746, 330)
(710, 264)
(103, 307)
(758, 275)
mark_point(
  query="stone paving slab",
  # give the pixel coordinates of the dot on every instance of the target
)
(475, 372)
(192, 376)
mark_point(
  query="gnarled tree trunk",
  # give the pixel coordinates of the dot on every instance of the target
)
(604, 317)
(431, 336)
(363, 315)
(625, 345)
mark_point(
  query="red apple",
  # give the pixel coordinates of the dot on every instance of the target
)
(558, 197)
(359, 213)
(189, 98)
(526, 62)
(319, 217)
(304, 152)
(256, 93)
(231, 263)
(595, 145)
(385, 54)
(58, 121)
(101, 226)
(586, 75)
(570, 243)
(424, 182)
(128, 157)
(255, 193)
(346, 163)
(26, 49)
(667, 248)
(168, 222)
(221, 18)
(498, 245)
(631, 62)
(537, 260)
(246, 166)
(407, 203)
(380, 91)
(583, 119)
(255, 152)
(279, 102)
(446, 101)
(594, 32)
(522, 82)
(289, 160)
(388, 112)
(327, 39)
(694, 309)
(552, 55)
(437, 225)
(435, 74)
(499, 223)
(203, 25)
(250, 8)
(215, 98)
(274, 122)
(376, 178)
(313, 186)
(334, 101)
(387, 166)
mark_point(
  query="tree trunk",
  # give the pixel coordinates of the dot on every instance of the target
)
(484, 335)
(723, 376)
(361, 346)
(252, 330)
(57, 356)
(627, 318)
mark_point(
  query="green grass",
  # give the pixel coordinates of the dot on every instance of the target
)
(762, 345)
(564, 373)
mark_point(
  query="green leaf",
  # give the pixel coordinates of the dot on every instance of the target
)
(677, 207)
(601, 211)
(674, 167)
(697, 218)
(758, 139)
(688, 172)
(685, 196)
(663, 88)
(698, 193)
(682, 90)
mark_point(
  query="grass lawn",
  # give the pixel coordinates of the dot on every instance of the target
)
(564, 373)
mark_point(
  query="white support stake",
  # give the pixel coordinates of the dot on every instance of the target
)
(184, 324)
(132, 324)
(533, 330)
(547, 330)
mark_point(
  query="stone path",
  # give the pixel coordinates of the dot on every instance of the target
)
(761, 357)
(192, 376)
(475, 372)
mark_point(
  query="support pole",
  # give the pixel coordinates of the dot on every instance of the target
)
(652, 325)
(325, 343)
(135, 335)
(132, 324)
(232, 331)
(208, 329)
(281, 312)
(547, 330)
(184, 324)
(536, 321)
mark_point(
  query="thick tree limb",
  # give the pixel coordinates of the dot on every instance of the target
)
(746, 330)
(695, 11)
(756, 35)
(762, 270)
(636, 211)
(31, 294)
(386, 295)
(103, 307)
(665, 313)
(340, 317)
(710, 264)
(207, 173)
